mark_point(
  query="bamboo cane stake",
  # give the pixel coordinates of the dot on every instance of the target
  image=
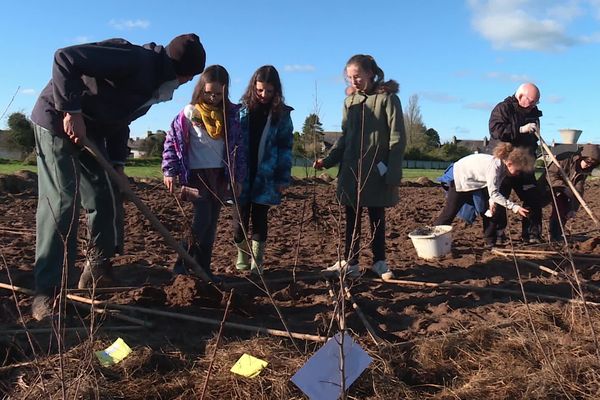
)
(212, 360)
(18, 232)
(80, 301)
(528, 251)
(235, 325)
(538, 253)
(285, 279)
(16, 288)
(566, 178)
(538, 266)
(76, 299)
(68, 329)
(124, 187)
(376, 339)
(553, 272)
(100, 290)
(460, 286)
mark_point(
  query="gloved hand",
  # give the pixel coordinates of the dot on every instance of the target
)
(528, 128)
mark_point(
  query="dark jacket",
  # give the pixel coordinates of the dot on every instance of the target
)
(274, 159)
(570, 162)
(506, 119)
(108, 82)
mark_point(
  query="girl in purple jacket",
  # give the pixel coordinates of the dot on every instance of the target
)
(205, 154)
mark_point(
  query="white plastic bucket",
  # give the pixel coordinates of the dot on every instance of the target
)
(570, 136)
(432, 242)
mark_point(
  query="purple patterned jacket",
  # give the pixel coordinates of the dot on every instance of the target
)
(175, 157)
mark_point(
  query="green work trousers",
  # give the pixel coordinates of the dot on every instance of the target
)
(70, 178)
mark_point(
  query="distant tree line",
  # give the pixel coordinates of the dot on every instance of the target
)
(152, 144)
(20, 132)
(422, 143)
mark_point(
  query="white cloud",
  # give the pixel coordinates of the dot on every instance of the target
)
(439, 97)
(595, 6)
(552, 99)
(81, 39)
(463, 73)
(27, 91)
(128, 24)
(504, 76)
(538, 25)
(461, 130)
(299, 68)
(480, 105)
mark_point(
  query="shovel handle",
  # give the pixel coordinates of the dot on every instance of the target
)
(566, 178)
(126, 190)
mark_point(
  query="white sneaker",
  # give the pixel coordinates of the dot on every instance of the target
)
(381, 269)
(352, 271)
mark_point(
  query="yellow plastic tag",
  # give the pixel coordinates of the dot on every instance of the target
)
(114, 353)
(248, 366)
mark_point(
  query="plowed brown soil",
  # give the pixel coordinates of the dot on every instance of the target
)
(304, 237)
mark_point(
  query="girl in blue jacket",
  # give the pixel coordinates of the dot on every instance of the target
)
(267, 128)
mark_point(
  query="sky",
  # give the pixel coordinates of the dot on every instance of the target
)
(460, 57)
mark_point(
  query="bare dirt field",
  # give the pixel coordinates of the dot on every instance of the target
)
(464, 332)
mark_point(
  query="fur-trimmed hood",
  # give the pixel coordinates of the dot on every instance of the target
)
(390, 87)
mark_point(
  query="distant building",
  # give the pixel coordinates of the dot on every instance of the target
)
(8, 149)
(569, 138)
(475, 146)
(135, 148)
(329, 139)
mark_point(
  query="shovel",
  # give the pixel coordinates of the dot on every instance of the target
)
(126, 190)
(566, 178)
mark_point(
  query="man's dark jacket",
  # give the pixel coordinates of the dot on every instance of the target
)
(108, 82)
(506, 119)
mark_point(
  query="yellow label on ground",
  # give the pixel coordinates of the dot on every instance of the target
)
(114, 353)
(248, 366)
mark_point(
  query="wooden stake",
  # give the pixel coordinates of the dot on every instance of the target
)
(235, 325)
(212, 360)
(376, 339)
(99, 290)
(459, 286)
(79, 301)
(164, 232)
(566, 178)
(68, 329)
(74, 299)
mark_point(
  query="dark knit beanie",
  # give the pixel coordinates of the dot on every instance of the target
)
(591, 151)
(187, 54)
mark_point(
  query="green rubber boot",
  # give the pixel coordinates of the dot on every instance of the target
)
(243, 256)
(258, 251)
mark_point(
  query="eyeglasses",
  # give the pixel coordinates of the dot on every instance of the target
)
(531, 101)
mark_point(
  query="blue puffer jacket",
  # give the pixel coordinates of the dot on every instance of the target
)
(274, 159)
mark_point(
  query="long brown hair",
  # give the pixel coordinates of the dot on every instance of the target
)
(520, 157)
(265, 74)
(212, 74)
(368, 64)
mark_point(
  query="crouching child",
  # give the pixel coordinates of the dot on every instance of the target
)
(482, 175)
(577, 167)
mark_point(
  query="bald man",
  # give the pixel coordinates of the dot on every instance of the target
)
(515, 120)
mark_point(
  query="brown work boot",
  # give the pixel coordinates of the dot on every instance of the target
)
(98, 272)
(41, 307)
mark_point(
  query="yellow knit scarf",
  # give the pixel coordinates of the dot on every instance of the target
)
(212, 118)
